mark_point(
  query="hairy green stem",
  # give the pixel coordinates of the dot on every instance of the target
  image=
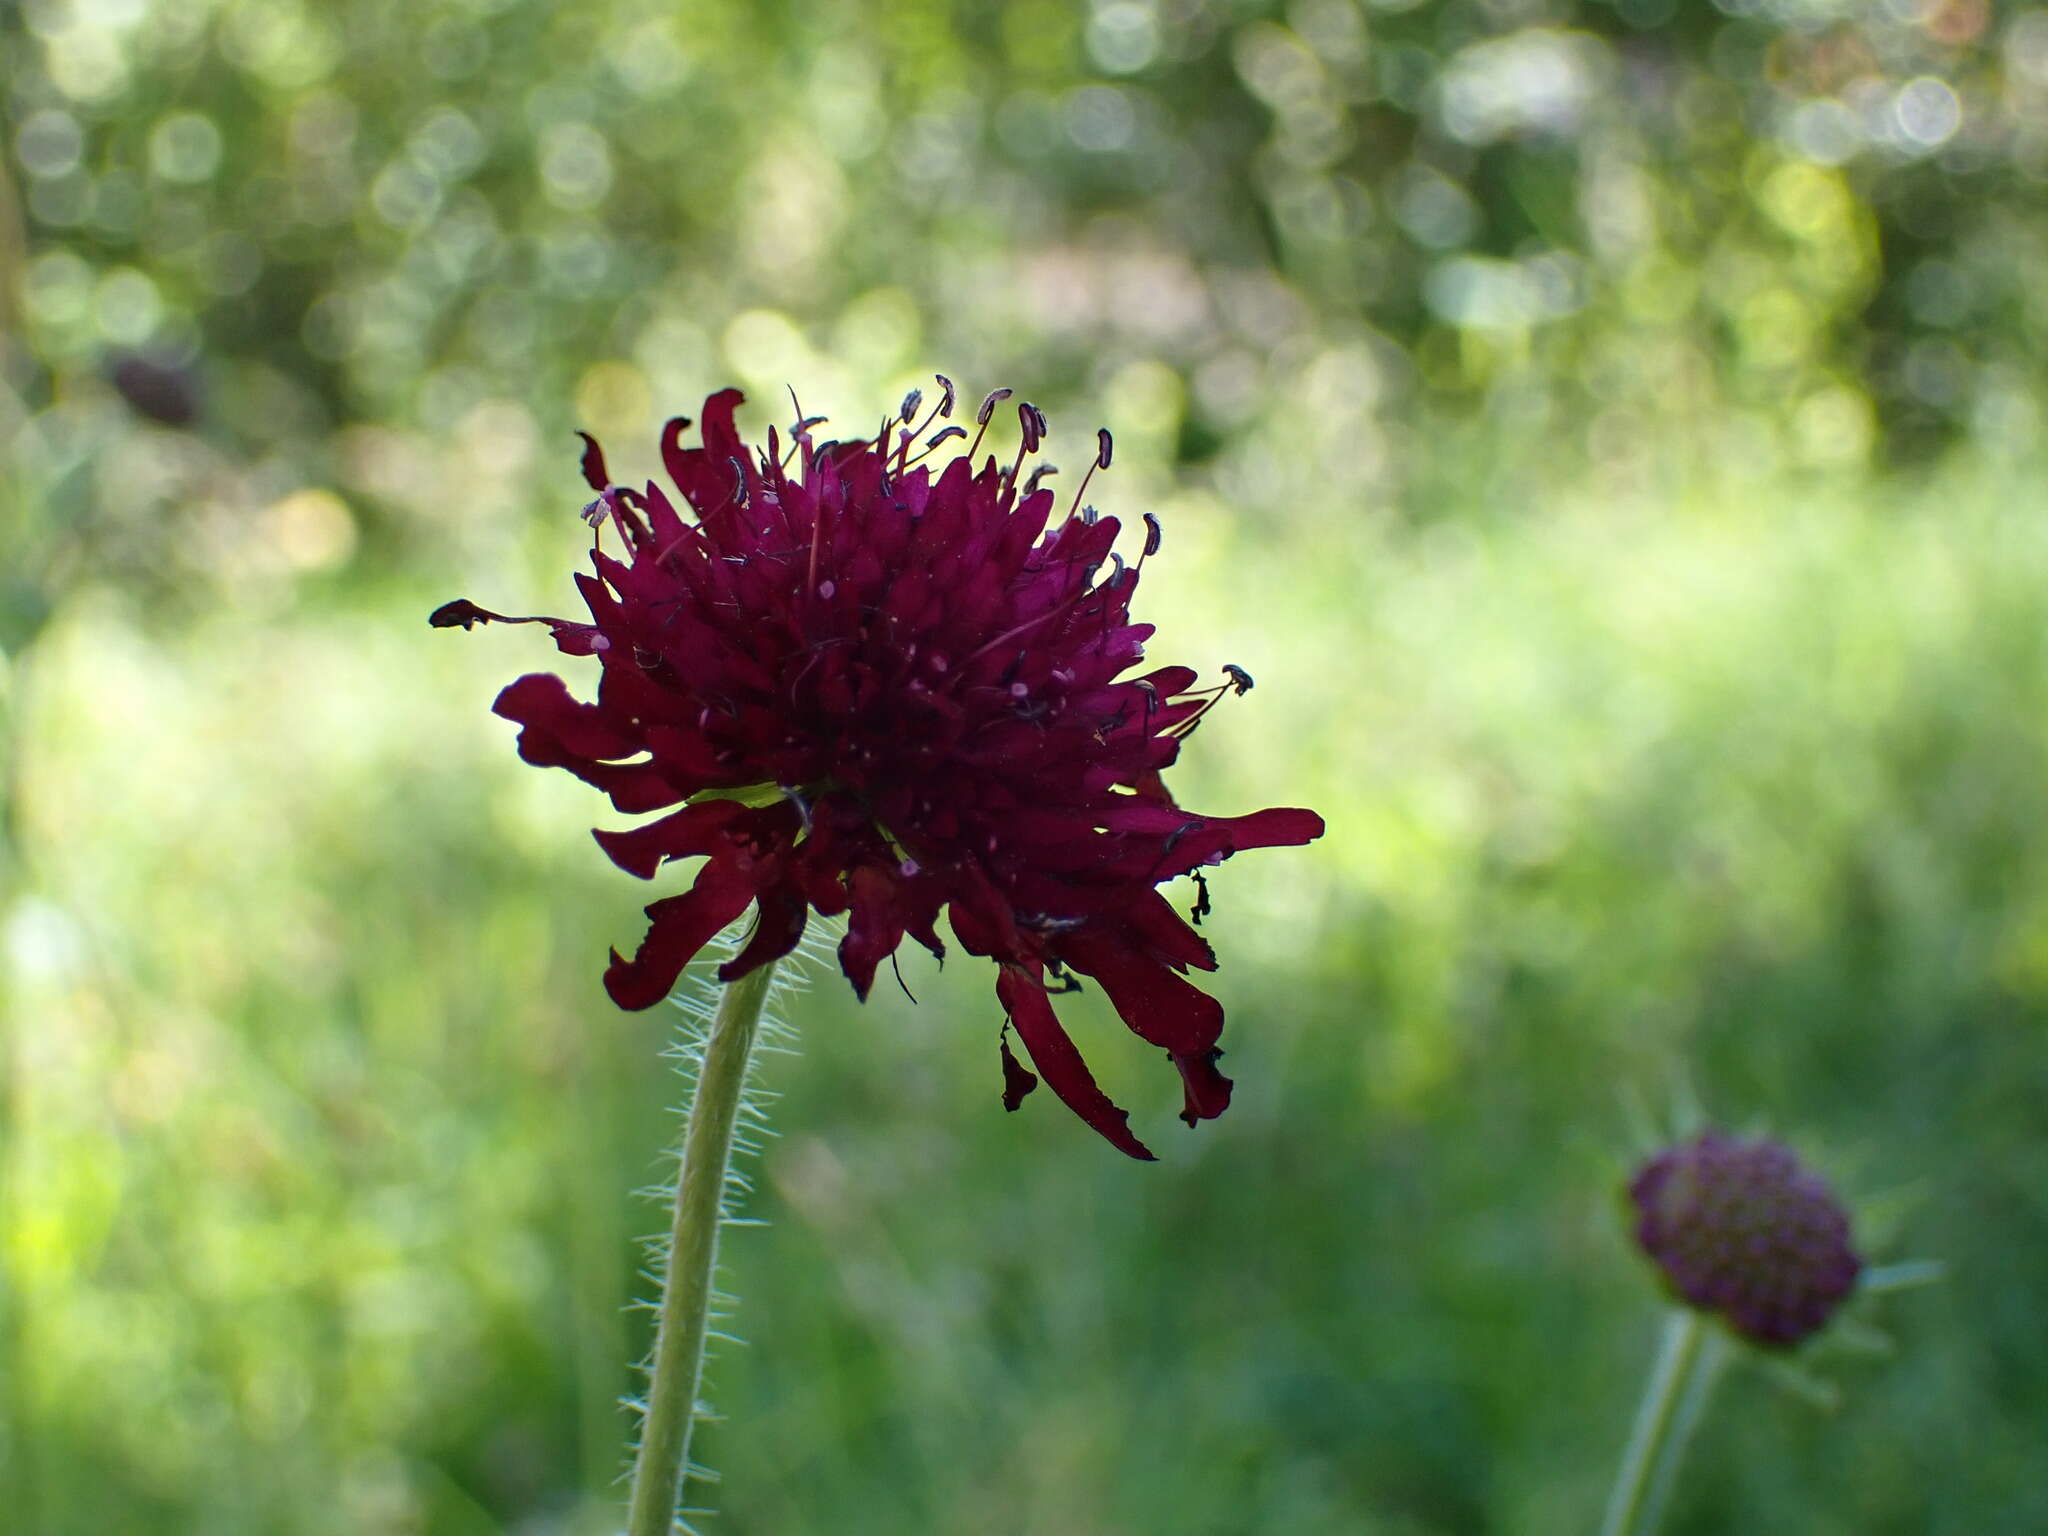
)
(1644, 1464)
(662, 1464)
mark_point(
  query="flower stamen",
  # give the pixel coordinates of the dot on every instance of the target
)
(1104, 446)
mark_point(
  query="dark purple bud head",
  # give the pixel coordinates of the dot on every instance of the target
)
(910, 404)
(1240, 679)
(165, 391)
(1739, 1228)
(1032, 420)
(946, 394)
(943, 433)
(1153, 534)
(988, 406)
(1104, 445)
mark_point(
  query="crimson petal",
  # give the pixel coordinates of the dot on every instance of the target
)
(1205, 1092)
(595, 475)
(688, 832)
(778, 927)
(552, 719)
(874, 926)
(681, 926)
(1018, 1079)
(1163, 1008)
(1023, 996)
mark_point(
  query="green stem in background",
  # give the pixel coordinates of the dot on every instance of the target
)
(1647, 1465)
(662, 1464)
(1685, 1418)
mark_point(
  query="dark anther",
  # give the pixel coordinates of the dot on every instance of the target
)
(1067, 982)
(1178, 832)
(941, 435)
(462, 612)
(1038, 474)
(1151, 701)
(739, 480)
(1032, 420)
(1103, 447)
(1116, 577)
(1201, 908)
(945, 399)
(594, 473)
(910, 404)
(988, 406)
(1153, 534)
(1240, 679)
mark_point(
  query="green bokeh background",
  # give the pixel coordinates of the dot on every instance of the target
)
(1611, 434)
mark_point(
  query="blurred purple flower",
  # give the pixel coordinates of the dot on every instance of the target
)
(880, 690)
(165, 391)
(1740, 1228)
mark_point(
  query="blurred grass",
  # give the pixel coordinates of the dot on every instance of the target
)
(1609, 434)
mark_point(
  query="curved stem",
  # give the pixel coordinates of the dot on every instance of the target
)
(1628, 1506)
(661, 1466)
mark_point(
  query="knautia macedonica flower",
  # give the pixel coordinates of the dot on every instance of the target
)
(1740, 1228)
(882, 689)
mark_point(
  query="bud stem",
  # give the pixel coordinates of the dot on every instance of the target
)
(660, 1469)
(1688, 1360)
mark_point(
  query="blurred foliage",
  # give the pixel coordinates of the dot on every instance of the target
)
(1606, 430)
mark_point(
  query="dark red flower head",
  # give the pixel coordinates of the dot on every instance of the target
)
(876, 687)
(1739, 1228)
